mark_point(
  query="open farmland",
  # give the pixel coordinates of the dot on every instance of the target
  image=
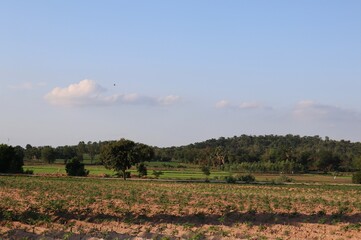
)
(36, 207)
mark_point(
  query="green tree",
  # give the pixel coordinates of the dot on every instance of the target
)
(206, 171)
(75, 168)
(48, 154)
(327, 161)
(142, 170)
(11, 160)
(144, 152)
(356, 177)
(92, 150)
(31, 153)
(119, 155)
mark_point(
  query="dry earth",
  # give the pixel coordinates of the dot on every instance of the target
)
(113, 209)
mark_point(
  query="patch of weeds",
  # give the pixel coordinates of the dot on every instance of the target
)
(352, 226)
(214, 229)
(198, 236)
(262, 227)
(67, 236)
(248, 224)
(342, 210)
(224, 233)
(222, 219)
(165, 238)
(322, 220)
(188, 225)
(261, 237)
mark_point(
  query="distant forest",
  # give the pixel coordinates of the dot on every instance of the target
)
(269, 153)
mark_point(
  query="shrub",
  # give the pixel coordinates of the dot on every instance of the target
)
(206, 171)
(157, 173)
(283, 179)
(356, 177)
(29, 172)
(120, 174)
(142, 170)
(230, 179)
(75, 168)
(247, 178)
(11, 161)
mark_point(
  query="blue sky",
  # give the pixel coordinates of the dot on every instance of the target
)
(176, 72)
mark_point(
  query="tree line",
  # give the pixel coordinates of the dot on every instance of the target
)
(269, 153)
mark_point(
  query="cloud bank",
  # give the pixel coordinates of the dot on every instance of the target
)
(243, 105)
(309, 110)
(88, 92)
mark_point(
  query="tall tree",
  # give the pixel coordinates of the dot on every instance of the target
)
(120, 155)
(11, 159)
(48, 154)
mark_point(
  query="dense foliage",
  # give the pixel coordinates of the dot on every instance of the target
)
(76, 168)
(123, 154)
(356, 177)
(11, 159)
(270, 153)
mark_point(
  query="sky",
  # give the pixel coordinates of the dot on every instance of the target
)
(171, 73)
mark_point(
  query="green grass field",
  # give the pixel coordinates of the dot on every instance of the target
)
(191, 173)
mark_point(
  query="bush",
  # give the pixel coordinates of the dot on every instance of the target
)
(11, 161)
(157, 173)
(142, 170)
(120, 174)
(247, 178)
(356, 177)
(75, 168)
(283, 179)
(29, 172)
(230, 179)
(206, 171)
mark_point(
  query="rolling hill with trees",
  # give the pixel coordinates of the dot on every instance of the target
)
(268, 153)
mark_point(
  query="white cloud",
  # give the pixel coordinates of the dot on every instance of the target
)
(168, 100)
(309, 110)
(88, 92)
(83, 93)
(250, 105)
(223, 104)
(243, 105)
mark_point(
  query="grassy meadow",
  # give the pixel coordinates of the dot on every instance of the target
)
(176, 171)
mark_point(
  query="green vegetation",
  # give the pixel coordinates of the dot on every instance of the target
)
(288, 154)
(76, 168)
(142, 170)
(11, 159)
(157, 173)
(270, 153)
(356, 177)
(123, 154)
